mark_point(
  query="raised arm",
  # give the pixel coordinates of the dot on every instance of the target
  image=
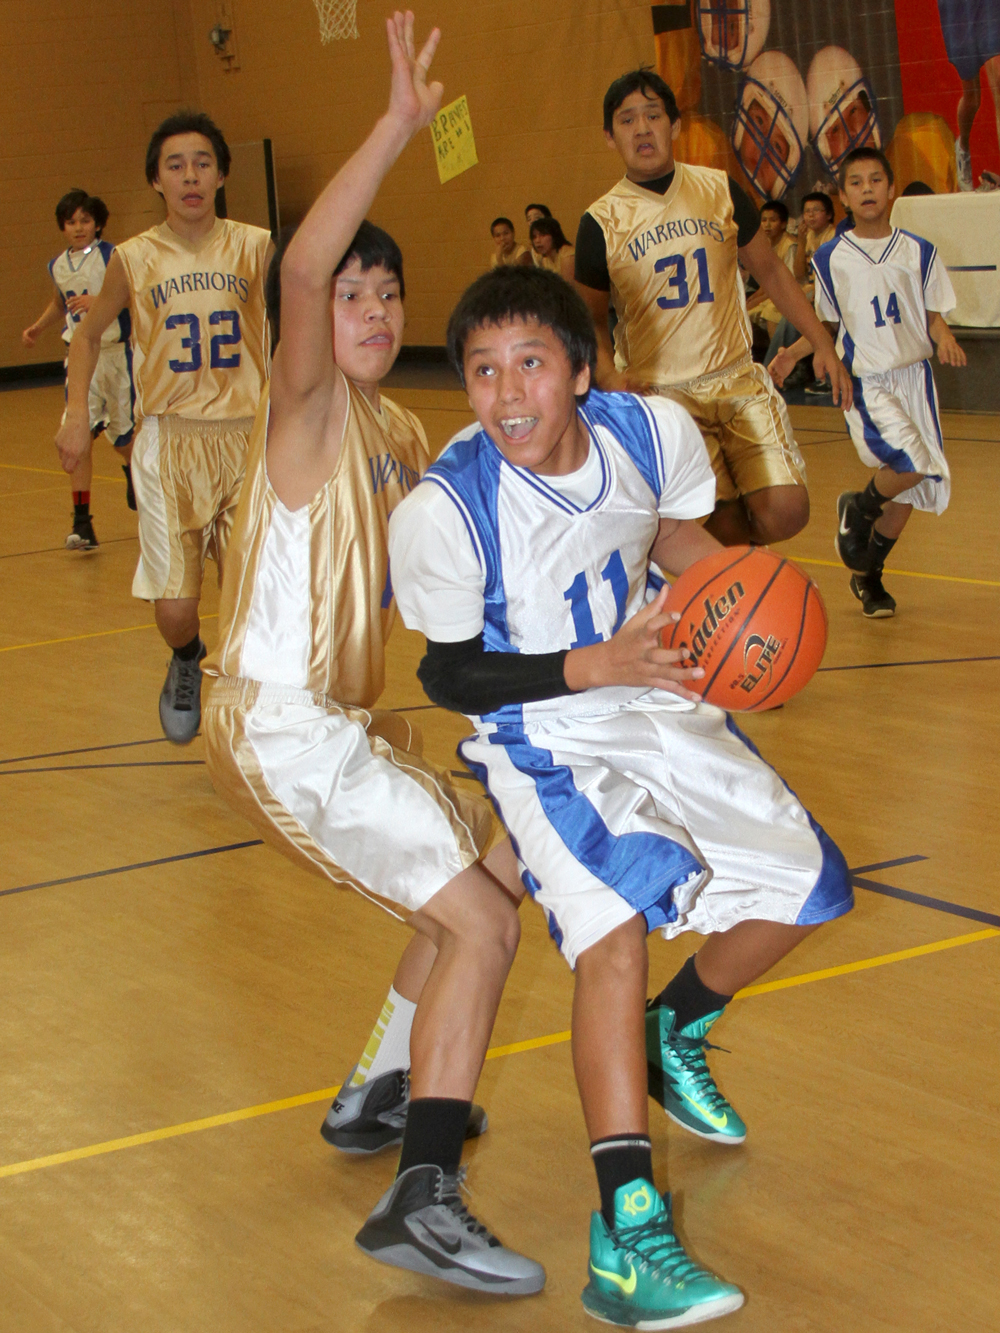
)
(73, 438)
(303, 365)
(787, 295)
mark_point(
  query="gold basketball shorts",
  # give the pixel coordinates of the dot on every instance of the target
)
(187, 477)
(343, 792)
(745, 426)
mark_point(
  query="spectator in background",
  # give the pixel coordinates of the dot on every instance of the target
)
(535, 211)
(774, 225)
(550, 248)
(815, 229)
(916, 187)
(505, 247)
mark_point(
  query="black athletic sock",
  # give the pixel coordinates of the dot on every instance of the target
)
(689, 997)
(434, 1134)
(879, 547)
(618, 1160)
(870, 501)
(81, 505)
(190, 650)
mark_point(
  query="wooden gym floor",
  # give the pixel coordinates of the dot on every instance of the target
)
(179, 1003)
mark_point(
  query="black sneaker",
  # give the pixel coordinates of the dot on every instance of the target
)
(129, 488)
(421, 1223)
(876, 603)
(83, 537)
(853, 531)
(819, 389)
(371, 1117)
(180, 699)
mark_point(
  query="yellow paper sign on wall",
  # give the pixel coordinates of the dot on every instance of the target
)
(454, 145)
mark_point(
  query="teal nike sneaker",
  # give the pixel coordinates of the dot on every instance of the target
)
(680, 1081)
(640, 1276)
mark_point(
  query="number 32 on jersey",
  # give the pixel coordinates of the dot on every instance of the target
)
(191, 342)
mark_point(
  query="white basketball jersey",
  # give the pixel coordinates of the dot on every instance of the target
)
(880, 292)
(545, 570)
(81, 273)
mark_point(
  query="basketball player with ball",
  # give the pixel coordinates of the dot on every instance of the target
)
(524, 556)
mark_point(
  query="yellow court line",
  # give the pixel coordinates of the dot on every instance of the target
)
(96, 634)
(54, 472)
(909, 573)
(35, 490)
(170, 1132)
(865, 963)
(494, 1053)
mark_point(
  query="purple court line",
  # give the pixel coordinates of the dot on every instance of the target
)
(929, 661)
(48, 550)
(79, 768)
(886, 865)
(86, 749)
(137, 865)
(921, 900)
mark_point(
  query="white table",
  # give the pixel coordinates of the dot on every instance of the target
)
(966, 230)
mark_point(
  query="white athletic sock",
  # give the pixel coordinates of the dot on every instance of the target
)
(389, 1045)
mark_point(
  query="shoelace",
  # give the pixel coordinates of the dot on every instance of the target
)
(656, 1246)
(452, 1199)
(188, 682)
(691, 1052)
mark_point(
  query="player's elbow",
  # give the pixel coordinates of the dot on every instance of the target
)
(445, 687)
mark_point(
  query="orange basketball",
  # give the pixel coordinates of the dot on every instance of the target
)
(754, 621)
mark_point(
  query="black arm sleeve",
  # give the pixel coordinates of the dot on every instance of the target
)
(745, 214)
(467, 679)
(591, 263)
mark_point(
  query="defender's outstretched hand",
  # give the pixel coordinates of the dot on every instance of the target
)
(412, 99)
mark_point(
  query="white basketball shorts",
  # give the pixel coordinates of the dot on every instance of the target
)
(894, 423)
(343, 792)
(659, 807)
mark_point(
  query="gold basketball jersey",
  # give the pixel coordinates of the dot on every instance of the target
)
(672, 259)
(200, 337)
(307, 599)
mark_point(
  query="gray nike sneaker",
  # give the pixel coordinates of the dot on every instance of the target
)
(373, 1116)
(180, 699)
(421, 1223)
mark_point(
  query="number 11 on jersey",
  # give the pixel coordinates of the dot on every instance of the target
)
(578, 596)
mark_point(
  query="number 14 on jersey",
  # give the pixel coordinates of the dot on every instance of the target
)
(891, 311)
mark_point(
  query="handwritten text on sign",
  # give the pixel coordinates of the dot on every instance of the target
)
(454, 145)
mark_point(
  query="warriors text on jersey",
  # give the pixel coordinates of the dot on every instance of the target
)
(81, 273)
(309, 601)
(674, 285)
(199, 326)
(880, 291)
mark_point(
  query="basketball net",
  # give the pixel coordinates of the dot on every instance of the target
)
(337, 19)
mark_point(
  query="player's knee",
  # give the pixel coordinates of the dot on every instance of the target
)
(620, 957)
(777, 513)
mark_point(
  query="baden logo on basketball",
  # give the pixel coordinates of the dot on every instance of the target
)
(716, 612)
